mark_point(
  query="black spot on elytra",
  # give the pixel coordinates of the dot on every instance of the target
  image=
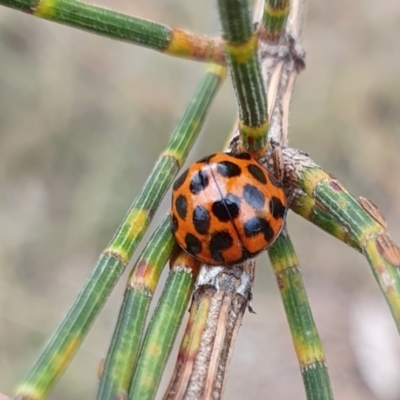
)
(199, 182)
(179, 182)
(257, 173)
(228, 169)
(201, 220)
(253, 197)
(277, 208)
(193, 245)
(174, 223)
(220, 241)
(241, 156)
(181, 206)
(227, 208)
(257, 225)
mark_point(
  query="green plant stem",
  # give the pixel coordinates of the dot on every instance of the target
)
(362, 226)
(123, 351)
(67, 338)
(115, 25)
(274, 19)
(307, 207)
(307, 343)
(163, 328)
(241, 52)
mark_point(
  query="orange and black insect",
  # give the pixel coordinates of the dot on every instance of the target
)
(227, 208)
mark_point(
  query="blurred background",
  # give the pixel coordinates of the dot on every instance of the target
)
(82, 121)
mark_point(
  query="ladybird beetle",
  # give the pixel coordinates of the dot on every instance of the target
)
(226, 208)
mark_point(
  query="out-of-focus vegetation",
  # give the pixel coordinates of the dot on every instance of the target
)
(82, 120)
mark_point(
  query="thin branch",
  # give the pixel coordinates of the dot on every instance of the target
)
(115, 25)
(274, 19)
(281, 62)
(124, 348)
(306, 341)
(219, 302)
(71, 332)
(241, 51)
(163, 327)
(362, 220)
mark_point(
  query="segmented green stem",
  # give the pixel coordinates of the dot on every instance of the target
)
(307, 344)
(163, 328)
(306, 206)
(115, 25)
(274, 19)
(123, 351)
(241, 52)
(364, 225)
(112, 262)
